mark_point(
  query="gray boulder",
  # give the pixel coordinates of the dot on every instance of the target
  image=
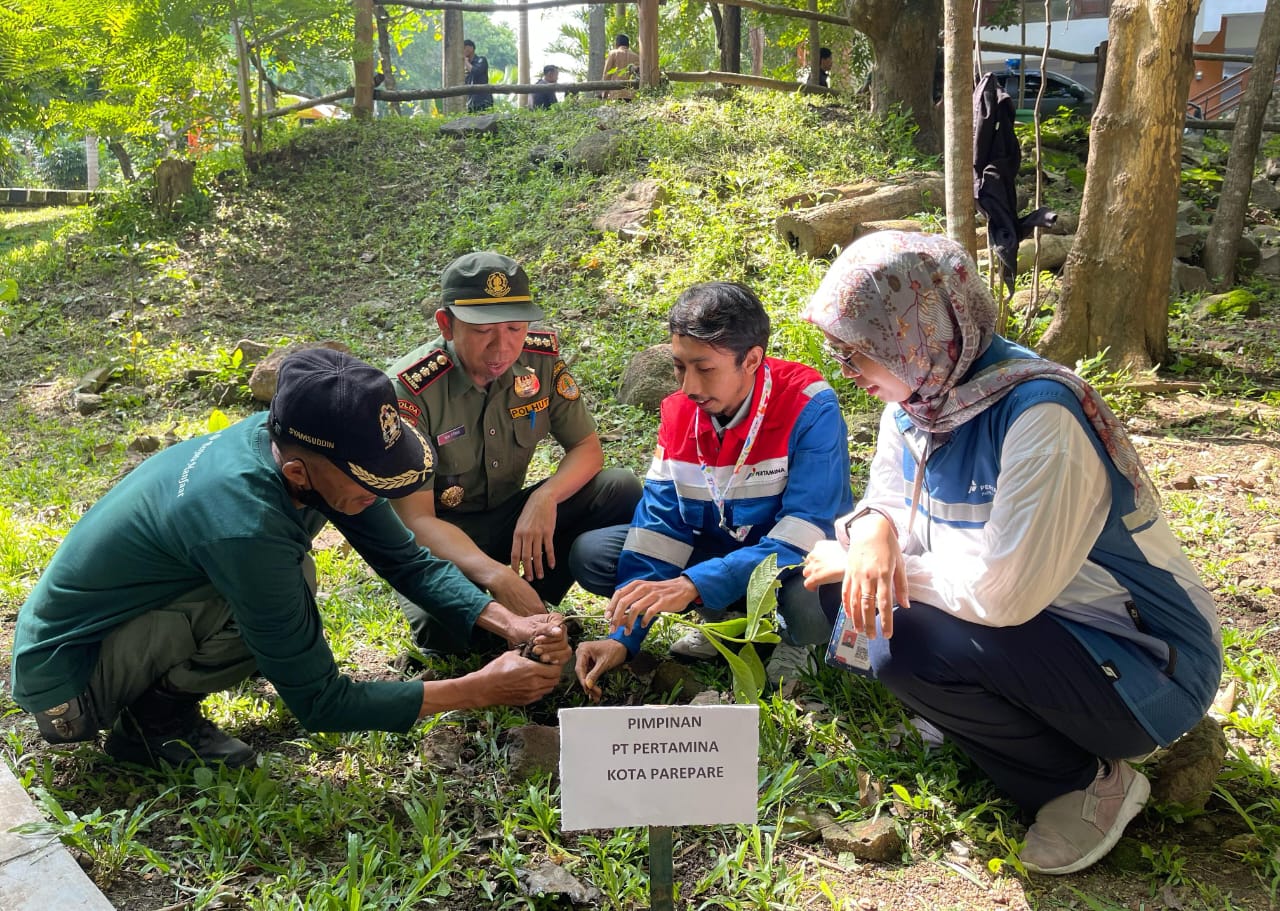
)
(1186, 278)
(262, 382)
(595, 152)
(874, 839)
(251, 352)
(649, 378)
(469, 126)
(96, 379)
(1053, 252)
(1188, 239)
(1237, 304)
(1264, 195)
(1248, 253)
(87, 402)
(534, 751)
(1190, 213)
(1269, 263)
(632, 210)
(1185, 773)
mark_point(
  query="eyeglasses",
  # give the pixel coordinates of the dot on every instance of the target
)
(843, 358)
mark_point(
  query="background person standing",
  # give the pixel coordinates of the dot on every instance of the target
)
(477, 73)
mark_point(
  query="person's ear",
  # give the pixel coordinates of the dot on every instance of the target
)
(754, 358)
(444, 319)
(295, 472)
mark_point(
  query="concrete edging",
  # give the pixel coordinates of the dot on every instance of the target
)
(36, 872)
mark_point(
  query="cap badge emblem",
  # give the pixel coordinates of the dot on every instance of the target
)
(496, 285)
(389, 422)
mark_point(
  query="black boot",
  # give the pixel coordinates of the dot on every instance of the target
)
(166, 726)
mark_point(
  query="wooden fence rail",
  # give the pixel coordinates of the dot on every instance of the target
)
(763, 82)
(771, 9)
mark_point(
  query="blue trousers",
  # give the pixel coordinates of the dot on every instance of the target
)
(805, 617)
(1027, 703)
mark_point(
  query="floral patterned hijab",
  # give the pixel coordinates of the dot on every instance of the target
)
(916, 305)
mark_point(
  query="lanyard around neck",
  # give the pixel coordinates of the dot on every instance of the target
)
(708, 473)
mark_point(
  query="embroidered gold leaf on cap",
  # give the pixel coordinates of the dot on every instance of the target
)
(374, 482)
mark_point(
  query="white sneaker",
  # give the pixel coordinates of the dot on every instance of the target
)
(786, 663)
(1077, 830)
(694, 646)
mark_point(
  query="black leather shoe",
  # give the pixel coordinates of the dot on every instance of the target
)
(163, 725)
(200, 743)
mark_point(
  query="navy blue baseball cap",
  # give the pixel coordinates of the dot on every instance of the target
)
(340, 407)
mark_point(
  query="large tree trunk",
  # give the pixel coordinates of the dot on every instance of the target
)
(731, 40)
(904, 43)
(383, 19)
(958, 118)
(523, 69)
(1116, 281)
(595, 43)
(1228, 220)
(451, 62)
(122, 156)
(362, 62)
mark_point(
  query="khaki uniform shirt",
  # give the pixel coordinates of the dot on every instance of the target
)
(485, 438)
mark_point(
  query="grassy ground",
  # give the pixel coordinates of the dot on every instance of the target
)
(341, 234)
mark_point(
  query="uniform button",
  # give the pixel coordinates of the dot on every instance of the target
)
(493, 464)
(492, 431)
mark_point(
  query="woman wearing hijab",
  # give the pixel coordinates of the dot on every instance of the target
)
(1054, 626)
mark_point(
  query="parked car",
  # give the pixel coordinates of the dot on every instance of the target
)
(1060, 92)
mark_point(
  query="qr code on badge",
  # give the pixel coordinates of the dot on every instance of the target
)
(848, 649)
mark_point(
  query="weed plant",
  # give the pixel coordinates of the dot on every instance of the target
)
(340, 232)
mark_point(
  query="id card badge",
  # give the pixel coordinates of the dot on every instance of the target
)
(847, 650)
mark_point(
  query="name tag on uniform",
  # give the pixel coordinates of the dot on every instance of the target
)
(450, 435)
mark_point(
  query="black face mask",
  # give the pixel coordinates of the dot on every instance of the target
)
(309, 497)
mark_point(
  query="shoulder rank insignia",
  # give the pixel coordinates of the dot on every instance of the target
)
(418, 376)
(541, 341)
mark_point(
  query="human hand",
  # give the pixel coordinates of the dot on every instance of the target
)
(644, 599)
(532, 544)
(595, 659)
(875, 575)
(514, 593)
(545, 634)
(512, 680)
(824, 564)
(551, 642)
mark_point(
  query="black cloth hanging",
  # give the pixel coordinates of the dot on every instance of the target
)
(996, 157)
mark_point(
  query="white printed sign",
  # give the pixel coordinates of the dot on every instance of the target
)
(678, 765)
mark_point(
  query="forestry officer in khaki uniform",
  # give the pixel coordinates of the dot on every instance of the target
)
(484, 393)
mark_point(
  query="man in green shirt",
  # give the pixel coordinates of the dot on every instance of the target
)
(195, 571)
(485, 393)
